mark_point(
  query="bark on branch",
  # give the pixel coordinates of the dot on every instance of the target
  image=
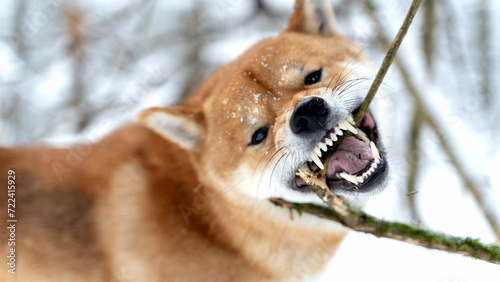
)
(360, 221)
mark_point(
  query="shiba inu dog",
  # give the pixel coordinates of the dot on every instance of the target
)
(183, 194)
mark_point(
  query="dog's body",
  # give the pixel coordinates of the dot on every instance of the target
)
(187, 200)
(116, 224)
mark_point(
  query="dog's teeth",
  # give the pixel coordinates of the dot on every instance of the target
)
(373, 167)
(351, 128)
(375, 153)
(345, 125)
(363, 136)
(317, 161)
(350, 178)
(333, 136)
(377, 161)
(328, 141)
(338, 131)
(342, 125)
(360, 179)
(304, 168)
(350, 120)
(317, 151)
(322, 146)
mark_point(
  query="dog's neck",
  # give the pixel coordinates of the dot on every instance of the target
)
(296, 245)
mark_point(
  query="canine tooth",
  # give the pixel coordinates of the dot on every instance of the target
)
(317, 151)
(333, 136)
(317, 161)
(360, 179)
(375, 153)
(328, 141)
(351, 128)
(322, 146)
(350, 120)
(363, 136)
(350, 178)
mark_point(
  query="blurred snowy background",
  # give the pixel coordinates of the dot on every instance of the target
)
(74, 70)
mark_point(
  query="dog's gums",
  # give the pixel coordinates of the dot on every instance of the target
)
(352, 163)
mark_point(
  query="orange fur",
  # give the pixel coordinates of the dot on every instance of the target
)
(172, 203)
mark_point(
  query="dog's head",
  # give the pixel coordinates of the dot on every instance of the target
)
(282, 105)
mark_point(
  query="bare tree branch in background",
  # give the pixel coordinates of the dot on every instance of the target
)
(76, 50)
(484, 45)
(428, 32)
(414, 163)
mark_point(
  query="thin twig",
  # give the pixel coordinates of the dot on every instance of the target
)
(391, 54)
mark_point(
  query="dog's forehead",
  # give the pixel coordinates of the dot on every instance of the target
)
(267, 75)
(243, 105)
(251, 103)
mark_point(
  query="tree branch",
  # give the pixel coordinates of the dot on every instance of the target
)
(360, 221)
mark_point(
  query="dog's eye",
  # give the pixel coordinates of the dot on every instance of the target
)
(313, 77)
(259, 135)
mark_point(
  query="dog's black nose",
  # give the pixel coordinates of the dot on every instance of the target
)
(309, 116)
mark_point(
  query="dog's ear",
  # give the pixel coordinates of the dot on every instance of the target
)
(313, 16)
(178, 124)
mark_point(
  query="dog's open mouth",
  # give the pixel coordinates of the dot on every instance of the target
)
(355, 163)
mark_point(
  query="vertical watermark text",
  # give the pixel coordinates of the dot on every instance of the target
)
(11, 220)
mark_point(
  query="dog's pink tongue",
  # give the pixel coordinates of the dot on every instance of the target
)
(351, 156)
